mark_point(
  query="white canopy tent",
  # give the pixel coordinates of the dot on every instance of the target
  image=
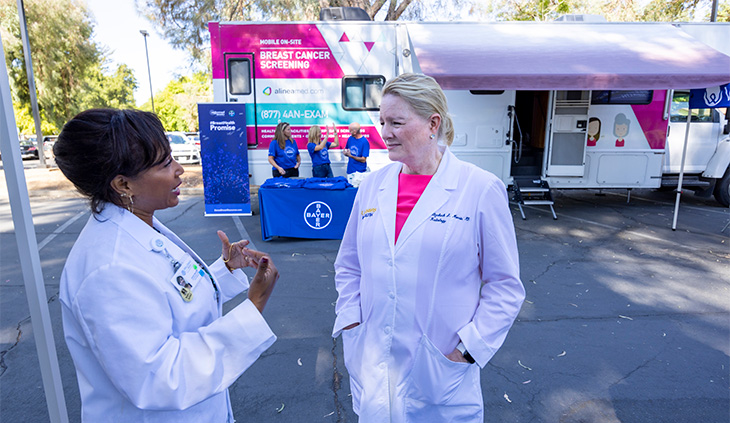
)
(28, 250)
(565, 56)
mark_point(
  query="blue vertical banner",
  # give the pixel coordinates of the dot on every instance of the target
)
(712, 97)
(224, 155)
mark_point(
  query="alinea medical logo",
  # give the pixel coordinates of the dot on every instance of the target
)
(267, 91)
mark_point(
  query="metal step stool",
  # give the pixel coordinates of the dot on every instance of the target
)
(532, 191)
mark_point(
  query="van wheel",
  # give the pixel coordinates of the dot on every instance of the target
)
(722, 189)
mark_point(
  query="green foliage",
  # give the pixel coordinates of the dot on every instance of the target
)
(612, 10)
(177, 104)
(670, 10)
(723, 12)
(70, 69)
(184, 23)
(536, 10)
(60, 41)
(104, 89)
(26, 124)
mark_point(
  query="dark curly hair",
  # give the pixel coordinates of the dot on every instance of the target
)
(99, 144)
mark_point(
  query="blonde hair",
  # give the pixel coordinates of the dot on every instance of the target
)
(426, 97)
(315, 134)
(279, 134)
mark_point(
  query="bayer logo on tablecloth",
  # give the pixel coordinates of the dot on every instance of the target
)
(317, 215)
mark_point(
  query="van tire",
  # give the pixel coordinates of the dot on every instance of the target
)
(722, 189)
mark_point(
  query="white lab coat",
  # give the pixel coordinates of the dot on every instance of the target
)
(453, 274)
(142, 354)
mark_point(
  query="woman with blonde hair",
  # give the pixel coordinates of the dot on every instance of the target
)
(284, 153)
(318, 148)
(427, 273)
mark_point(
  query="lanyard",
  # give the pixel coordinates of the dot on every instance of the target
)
(158, 246)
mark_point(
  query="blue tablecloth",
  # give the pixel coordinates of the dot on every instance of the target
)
(300, 212)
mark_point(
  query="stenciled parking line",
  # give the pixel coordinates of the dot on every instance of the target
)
(665, 203)
(615, 228)
(60, 229)
(243, 233)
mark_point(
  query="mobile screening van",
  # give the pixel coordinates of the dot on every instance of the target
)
(546, 105)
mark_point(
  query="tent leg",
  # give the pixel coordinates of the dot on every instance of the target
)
(681, 169)
(30, 262)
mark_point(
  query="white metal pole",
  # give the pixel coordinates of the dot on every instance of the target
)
(31, 83)
(28, 250)
(681, 169)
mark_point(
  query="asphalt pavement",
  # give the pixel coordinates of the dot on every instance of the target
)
(625, 319)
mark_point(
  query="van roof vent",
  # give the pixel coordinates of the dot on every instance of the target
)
(343, 14)
(580, 18)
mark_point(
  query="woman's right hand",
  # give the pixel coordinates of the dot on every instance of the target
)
(282, 171)
(262, 284)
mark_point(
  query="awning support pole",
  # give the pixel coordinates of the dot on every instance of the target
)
(681, 169)
(30, 261)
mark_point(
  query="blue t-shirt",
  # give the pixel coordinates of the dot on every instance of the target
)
(286, 158)
(319, 157)
(359, 147)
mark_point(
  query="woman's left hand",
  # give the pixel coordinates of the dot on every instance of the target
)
(233, 254)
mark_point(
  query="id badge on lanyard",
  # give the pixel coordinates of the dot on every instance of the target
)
(187, 273)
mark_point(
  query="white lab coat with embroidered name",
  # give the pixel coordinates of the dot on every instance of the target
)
(453, 274)
(142, 353)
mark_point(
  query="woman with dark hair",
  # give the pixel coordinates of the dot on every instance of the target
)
(284, 153)
(146, 347)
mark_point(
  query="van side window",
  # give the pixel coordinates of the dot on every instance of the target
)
(362, 92)
(621, 97)
(239, 76)
(680, 104)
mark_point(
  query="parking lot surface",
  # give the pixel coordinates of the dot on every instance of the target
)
(625, 319)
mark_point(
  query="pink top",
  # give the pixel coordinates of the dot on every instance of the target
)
(410, 188)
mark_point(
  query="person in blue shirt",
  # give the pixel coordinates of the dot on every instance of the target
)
(357, 150)
(318, 150)
(284, 153)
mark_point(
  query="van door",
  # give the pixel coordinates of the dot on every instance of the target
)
(241, 88)
(704, 133)
(568, 132)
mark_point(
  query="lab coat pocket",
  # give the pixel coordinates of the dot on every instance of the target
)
(352, 344)
(439, 389)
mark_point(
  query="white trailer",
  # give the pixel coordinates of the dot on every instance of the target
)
(560, 104)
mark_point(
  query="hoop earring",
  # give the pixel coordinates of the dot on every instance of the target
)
(129, 206)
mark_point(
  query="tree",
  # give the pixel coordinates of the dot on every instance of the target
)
(723, 12)
(620, 10)
(184, 23)
(671, 10)
(102, 88)
(535, 10)
(70, 69)
(177, 104)
(60, 40)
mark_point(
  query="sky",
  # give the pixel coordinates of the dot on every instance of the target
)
(117, 27)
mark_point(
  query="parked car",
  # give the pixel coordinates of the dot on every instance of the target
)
(184, 150)
(28, 150)
(195, 136)
(48, 142)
